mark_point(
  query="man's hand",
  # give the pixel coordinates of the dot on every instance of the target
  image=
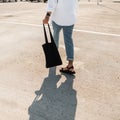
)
(46, 20)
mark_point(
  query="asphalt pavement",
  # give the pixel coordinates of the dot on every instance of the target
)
(29, 91)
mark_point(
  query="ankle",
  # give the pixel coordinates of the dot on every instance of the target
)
(70, 64)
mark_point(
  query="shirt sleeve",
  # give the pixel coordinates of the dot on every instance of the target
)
(51, 5)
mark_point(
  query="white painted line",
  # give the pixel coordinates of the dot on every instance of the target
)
(17, 23)
(76, 30)
(100, 33)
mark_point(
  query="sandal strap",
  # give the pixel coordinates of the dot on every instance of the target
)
(70, 67)
(68, 70)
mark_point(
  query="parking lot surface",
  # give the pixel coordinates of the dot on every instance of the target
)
(29, 91)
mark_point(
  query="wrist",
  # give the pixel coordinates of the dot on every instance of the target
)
(48, 14)
(46, 17)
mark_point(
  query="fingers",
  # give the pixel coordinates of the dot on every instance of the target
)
(46, 20)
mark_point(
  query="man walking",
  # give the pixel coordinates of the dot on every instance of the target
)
(63, 16)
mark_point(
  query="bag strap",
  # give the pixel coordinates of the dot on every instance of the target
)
(46, 38)
(45, 34)
(52, 40)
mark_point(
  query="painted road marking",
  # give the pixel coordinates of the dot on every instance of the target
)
(76, 30)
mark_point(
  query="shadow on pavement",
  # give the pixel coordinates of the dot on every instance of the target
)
(52, 102)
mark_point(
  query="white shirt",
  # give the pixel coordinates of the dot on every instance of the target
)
(63, 11)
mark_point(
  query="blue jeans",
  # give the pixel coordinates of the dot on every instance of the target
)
(67, 32)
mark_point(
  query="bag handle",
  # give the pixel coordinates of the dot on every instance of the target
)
(52, 40)
(46, 38)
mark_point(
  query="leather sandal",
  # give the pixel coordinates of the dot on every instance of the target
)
(69, 70)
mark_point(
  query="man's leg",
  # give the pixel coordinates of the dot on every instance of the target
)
(56, 31)
(69, 46)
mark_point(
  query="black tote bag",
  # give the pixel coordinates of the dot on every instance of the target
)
(52, 56)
